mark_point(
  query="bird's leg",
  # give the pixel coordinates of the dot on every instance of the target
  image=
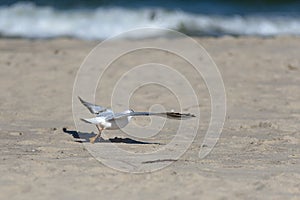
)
(93, 139)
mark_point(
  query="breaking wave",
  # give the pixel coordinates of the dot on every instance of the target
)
(32, 21)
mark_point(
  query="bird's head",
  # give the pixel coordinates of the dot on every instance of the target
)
(131, 110)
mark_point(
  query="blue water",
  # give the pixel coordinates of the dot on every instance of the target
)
(194, 6)
(94, 19)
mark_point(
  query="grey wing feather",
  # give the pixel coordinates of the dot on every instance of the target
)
(170, 115)
(95, 109)
(114, 116)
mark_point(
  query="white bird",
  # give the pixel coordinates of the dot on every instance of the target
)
(106, 119)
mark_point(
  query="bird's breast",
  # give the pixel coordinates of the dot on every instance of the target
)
(118, 123)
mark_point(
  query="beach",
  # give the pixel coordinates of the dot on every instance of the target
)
(257, 155)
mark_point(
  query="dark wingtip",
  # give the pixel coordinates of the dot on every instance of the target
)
(81, 100)
(189, 115)
(175, 115)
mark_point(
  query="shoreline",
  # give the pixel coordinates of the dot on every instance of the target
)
(3, 37)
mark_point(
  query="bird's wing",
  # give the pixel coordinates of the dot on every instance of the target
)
(170, 115)
(95, 109)
(100, 118)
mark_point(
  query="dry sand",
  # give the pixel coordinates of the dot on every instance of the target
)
(257, 156)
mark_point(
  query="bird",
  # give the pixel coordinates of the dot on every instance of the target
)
(106, 119)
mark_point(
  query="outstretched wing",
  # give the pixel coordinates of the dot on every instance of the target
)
(170, 115)
(95, 109)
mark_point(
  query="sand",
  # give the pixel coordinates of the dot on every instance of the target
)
(256, 157)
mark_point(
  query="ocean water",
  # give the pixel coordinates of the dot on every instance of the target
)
(100, 19)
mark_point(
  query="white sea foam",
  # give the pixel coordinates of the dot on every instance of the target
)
(29, 20)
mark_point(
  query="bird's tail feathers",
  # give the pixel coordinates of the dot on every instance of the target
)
(90, 120)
